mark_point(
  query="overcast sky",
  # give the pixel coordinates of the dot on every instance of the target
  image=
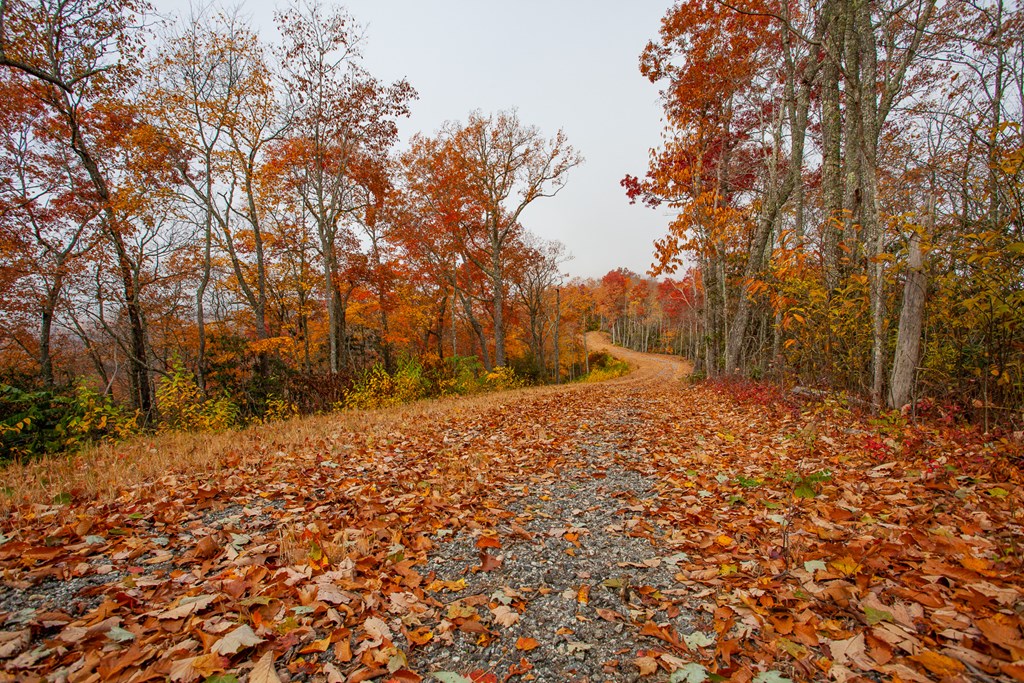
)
(569, 64)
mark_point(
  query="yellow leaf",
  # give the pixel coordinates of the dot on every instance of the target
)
(847, 566)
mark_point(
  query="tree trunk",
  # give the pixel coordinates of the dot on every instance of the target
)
(558, 314)
(908, 341)
(497, 283)
(831, 136)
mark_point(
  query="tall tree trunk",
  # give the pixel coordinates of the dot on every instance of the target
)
(558, 315)
(498, 284)
(908, 341)
(831, 136)
(870, 129)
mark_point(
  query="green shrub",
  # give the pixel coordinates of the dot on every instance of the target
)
(375, 388)
(40, 422)
(183, 408)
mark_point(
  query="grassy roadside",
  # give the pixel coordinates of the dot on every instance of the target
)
(102, 472)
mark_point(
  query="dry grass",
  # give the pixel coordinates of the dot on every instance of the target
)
(103, 472)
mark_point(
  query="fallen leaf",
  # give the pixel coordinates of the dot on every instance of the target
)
(938, 664)
(264, 671)
(647, 665)
(239, 639)
(526, 644)
(505, 616)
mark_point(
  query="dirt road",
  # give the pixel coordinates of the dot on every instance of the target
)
(333, 543)
(645, 527)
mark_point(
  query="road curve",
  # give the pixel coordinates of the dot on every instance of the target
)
(647, 366)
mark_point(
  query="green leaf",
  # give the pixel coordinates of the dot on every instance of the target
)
(875, 616)
(804, 490)
(998, 492)
(119, 634)
(450, 677)
(62, 498)
(771, 677)
(689, 673)
(698, 639)
(221, 678)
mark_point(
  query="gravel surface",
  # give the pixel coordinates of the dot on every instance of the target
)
(580, 557)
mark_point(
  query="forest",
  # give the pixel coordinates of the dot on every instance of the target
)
(289, 393)
(201, 227)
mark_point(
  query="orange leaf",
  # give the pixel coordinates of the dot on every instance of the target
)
(488, 542)
(420, 636)
(940, 665)
(526, 644)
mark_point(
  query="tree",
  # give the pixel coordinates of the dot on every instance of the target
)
(344, 125)
(537, 276)
(508, 166)
(77, 57)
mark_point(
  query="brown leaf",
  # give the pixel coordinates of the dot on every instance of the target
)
(206, 549)
(489, 563)
(264, 671)
(647, 665)
(239, 639)
(505, 615)
(609, 614)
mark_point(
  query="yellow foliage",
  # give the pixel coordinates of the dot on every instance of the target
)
(182, 406)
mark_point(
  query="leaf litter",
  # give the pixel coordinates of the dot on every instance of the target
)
(640, 528)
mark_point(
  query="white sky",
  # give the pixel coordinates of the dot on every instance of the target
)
(569, 64)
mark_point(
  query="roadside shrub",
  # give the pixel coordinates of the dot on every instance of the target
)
(183, 408)
(502, 378)
(377, 389)
(279, 409)
(34, 423)
(603, 366)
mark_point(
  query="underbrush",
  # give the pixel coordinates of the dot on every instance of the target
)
(50, 421)
(932, 444)
(604, 366)
(434, 378)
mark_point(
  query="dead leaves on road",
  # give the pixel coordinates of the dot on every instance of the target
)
(810, 544)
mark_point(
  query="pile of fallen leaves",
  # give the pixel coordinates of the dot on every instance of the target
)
(808, 543)
(829, 544)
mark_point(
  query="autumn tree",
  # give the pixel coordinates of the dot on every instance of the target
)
(344, 125)
(77, 57)
(536, 278)
(508, 166)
